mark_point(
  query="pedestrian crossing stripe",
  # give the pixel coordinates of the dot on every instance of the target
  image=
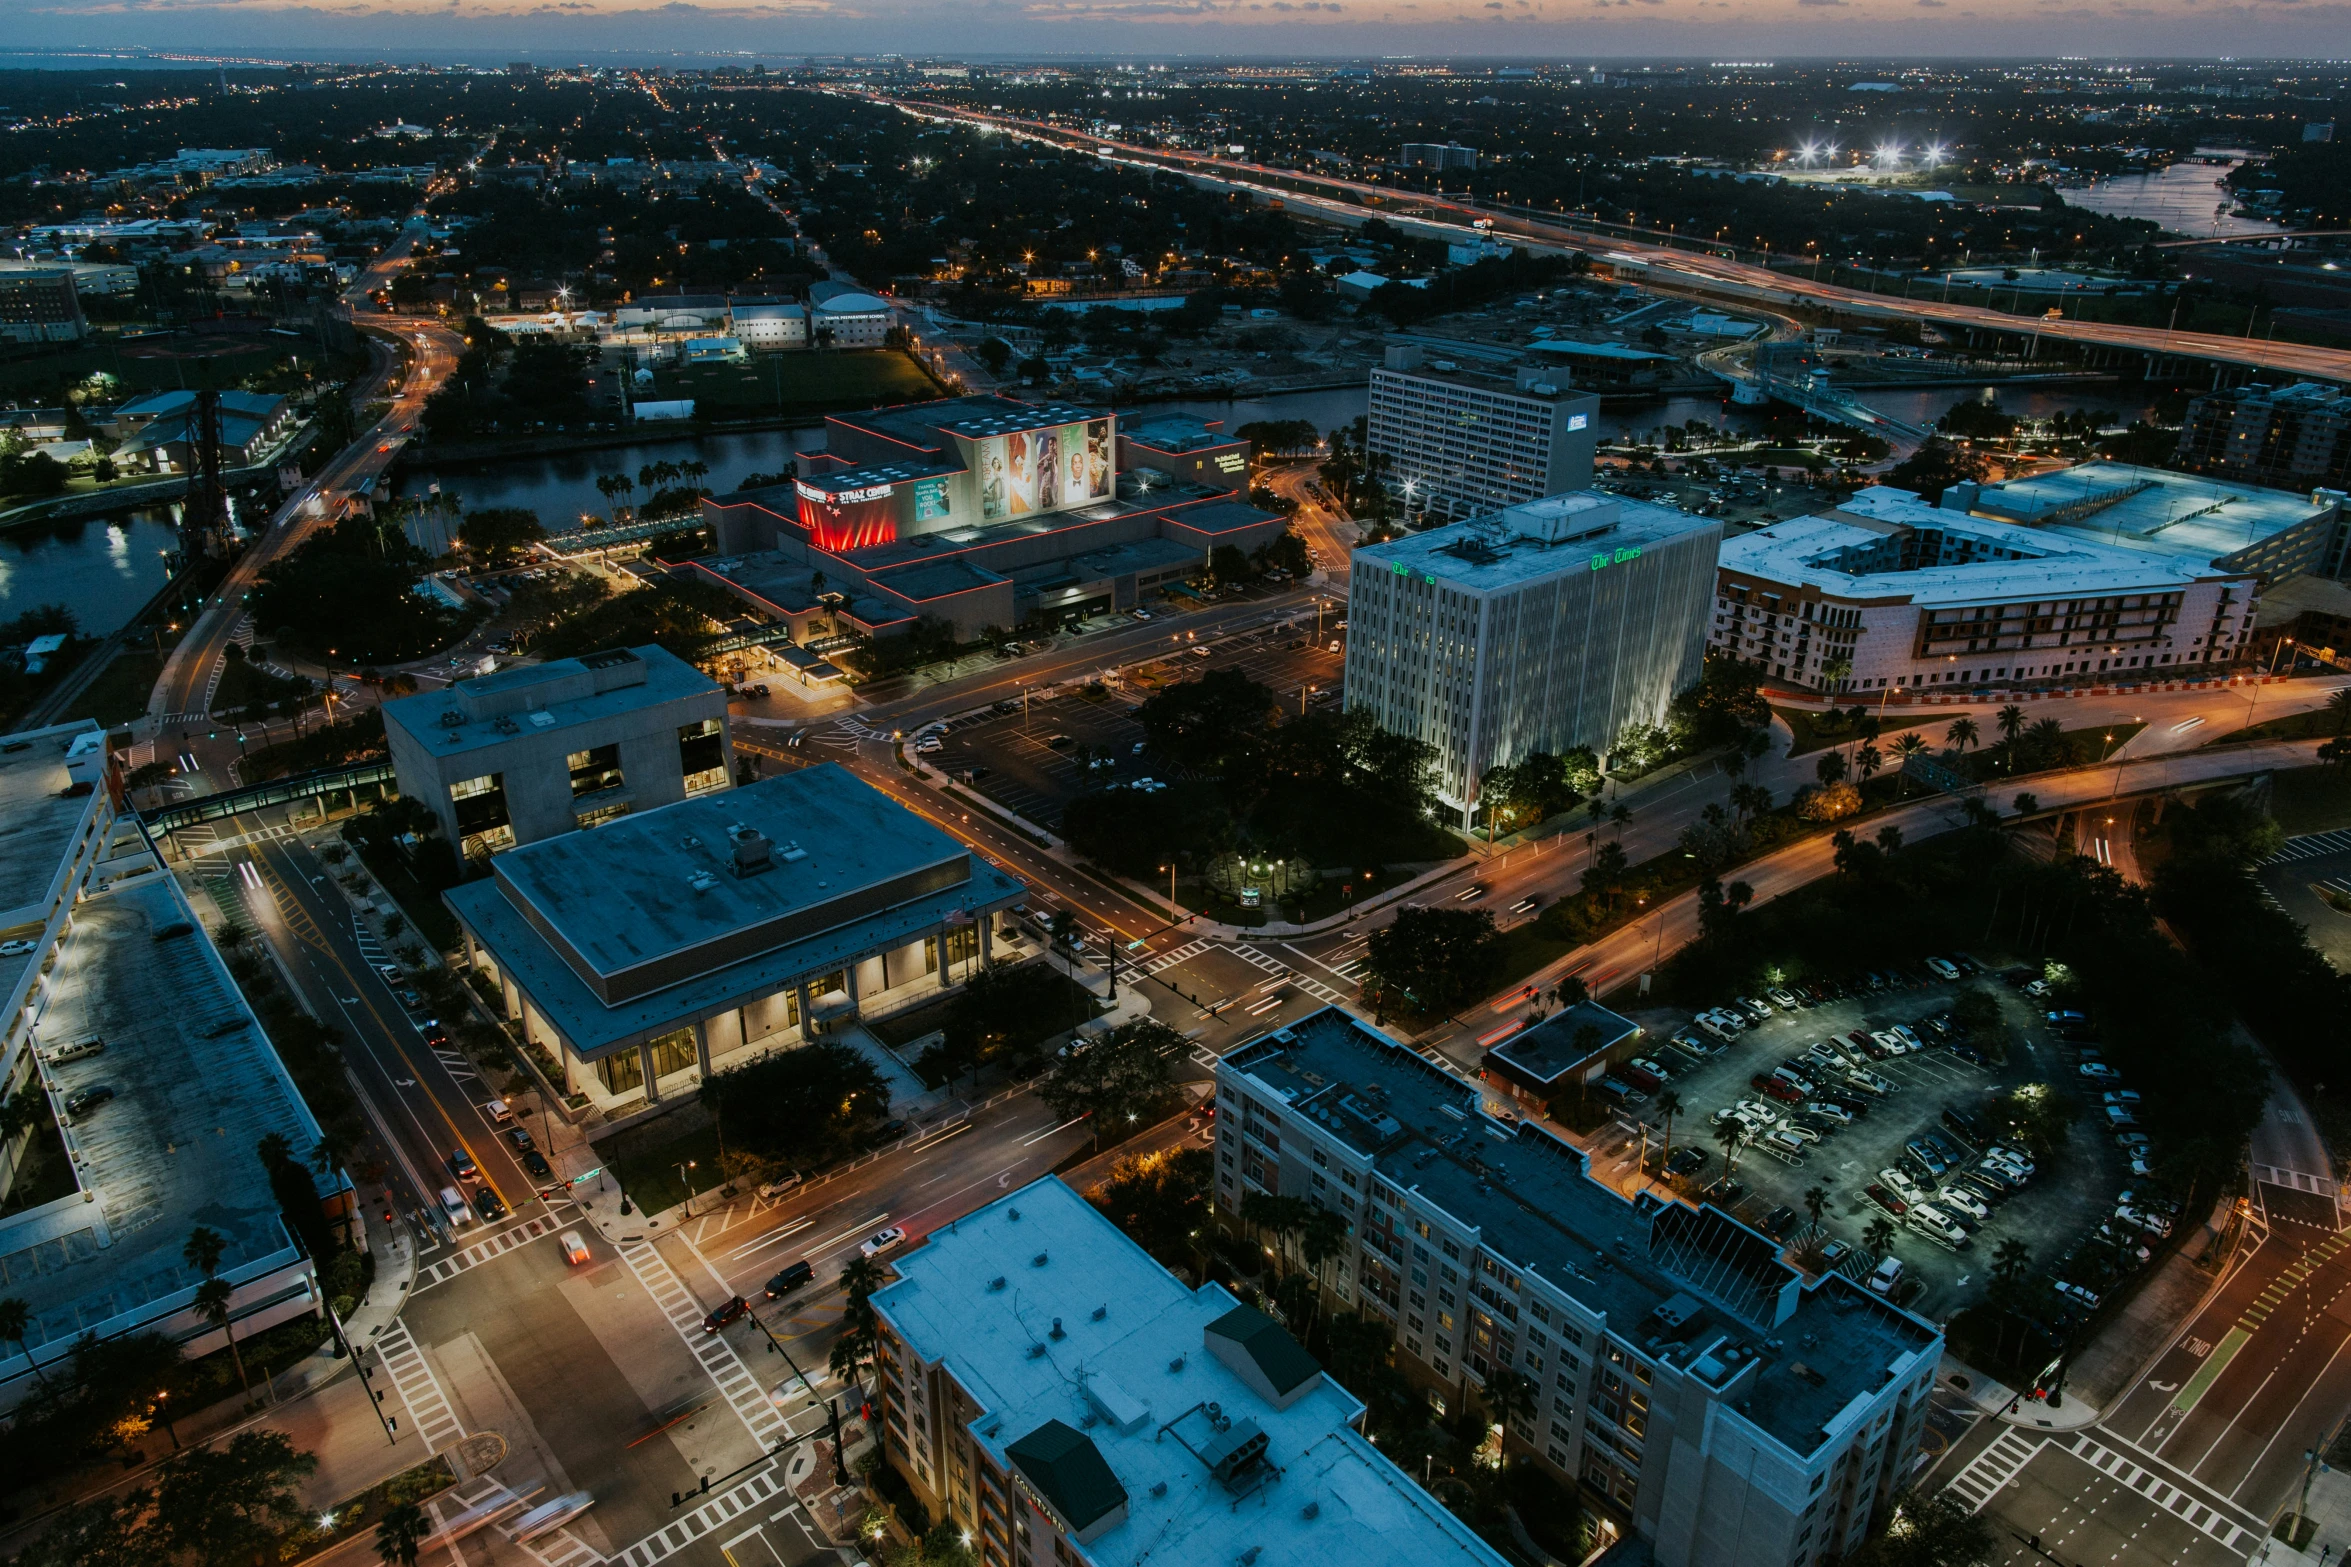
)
(2199, 1513)
(1313, 987)
(482, 1251)
(723, 1508)
(1993, 1468)
(1175, 955)
(420, 1391)
(711, 1351)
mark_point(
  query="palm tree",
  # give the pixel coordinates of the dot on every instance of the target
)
(1750, 799)
(1669, 1105)
(401, 1533)
(2339, 704)
(1510, 1398)
(2010, 722)
(2010, 1261)
(1867, 759)
(1879, 1236)
(2045, 741)
(1909, 747)
(212, 1303)
(1961, 734)
(1816, 1202)
(16, 1322)
(330, 1152)
(1732, 1135)
(204, 1249)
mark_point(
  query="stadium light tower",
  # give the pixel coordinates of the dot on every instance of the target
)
(1933, 154)
(1890, 155)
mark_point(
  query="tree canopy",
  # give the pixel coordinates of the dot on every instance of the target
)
(1122, 1078)
(804, 1108)
(350, 593)
(1430, 961)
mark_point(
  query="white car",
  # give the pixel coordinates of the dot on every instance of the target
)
(1960, 1200)
(1891, 1043)
(16, 949)
(1936, 1226)
(2098, 1071)
(887, 1240)
(1944, 967)
(1901, 1185)
(1830, 1112)
(2037, 989)
(2152, 1223)
(1758, 1010)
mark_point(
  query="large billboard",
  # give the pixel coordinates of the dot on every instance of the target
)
(1033, 471)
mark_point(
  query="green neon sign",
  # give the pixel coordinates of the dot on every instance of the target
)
(1628, 552)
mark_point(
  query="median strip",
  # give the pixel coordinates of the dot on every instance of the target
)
(2193, 1391)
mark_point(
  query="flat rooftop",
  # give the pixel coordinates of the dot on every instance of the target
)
(977, 417)
(1558, 1045)
(1092, 1361)
(1855, 550)
(494, 709)
(1530, 542)
(197, 1085)
(1531, 1199)
(653, 899)
(2185, 515)
(38, 815)
(1177, 435)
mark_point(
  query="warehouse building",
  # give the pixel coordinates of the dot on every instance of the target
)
(1714, 1401)
(1539, 627)
(1886, 593)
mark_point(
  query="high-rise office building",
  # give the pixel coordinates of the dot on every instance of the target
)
(1438, 155)
(1715, 1400)
(1458, 439)
(1535, 628)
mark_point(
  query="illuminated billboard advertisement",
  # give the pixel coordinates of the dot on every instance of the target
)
(850, 520)
(1043, 470)
(930, 500)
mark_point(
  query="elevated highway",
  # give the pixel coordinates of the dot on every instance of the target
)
(1702, 271)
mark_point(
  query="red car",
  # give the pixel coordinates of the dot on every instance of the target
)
(733, 1311)
(1866, 1045)
(1892, 1204)
(1775, 1088)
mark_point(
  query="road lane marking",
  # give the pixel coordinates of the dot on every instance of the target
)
(1031, 1142)
(2214, 1364)
(770, 1238)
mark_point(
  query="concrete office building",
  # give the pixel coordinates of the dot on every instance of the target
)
(1068, 1402)
(515, 757)
(1713, 1400)
(40, 305)
(116, 954)
(681, 941)
(2292, 437)
(1438, 155)
(1887, 593)
(2196, 520)
(1459, 440)
(1540, 627)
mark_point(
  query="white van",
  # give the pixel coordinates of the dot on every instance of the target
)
(454, 1205)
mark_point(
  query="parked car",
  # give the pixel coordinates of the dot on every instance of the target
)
(2152, 1223)
(536, 1164)
(1779, 1221)
(1782, 998)
(780, 1185)
(1901, 1184)
(1964, 1124)
(1963, 1203)
(2099, 1071)
(82, 1100)
(1888, 1277)
(1685, 1162)
(1937, 1226)
(2080, 1295)
(1890, 1202)
(1777, 1088)
(1830, 1110)
(1760, 1011)
(1944, 969)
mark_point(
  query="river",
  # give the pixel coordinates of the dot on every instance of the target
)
(2187, 197)
(104, 569)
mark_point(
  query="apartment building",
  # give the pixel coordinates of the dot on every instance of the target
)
(1540, 627)
(1713, 1399)
(1886, 593)
(1459, 439)
(2290, 437)
(2194, 518)
(1068, 1402)
(1439, 155)
(531, 752)
(40, 305)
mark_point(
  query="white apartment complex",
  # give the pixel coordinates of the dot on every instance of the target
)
(1704, 1393)
(1887, 593)
(1540, 627)
(1068, 1402)
(1458, 441)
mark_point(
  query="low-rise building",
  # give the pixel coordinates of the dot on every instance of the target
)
(1186, 451)
(1539, 627)
(768, 324)
(158, 433)
(100, 1202)
(1457, 440)
(2193, 518)
(678, 942)
(539, 750)
(976, 512)
(1068, 1402)
(1437, 155)
(843, 317)
(1886, 593)
(1709, 1396)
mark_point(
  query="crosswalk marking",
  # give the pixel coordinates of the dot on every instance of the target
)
(2232, 1535)
(716, 1356)
(1313, 987)
(2297, 1180)
(420, 1390)
(722, 1508)
(2310, 846)
(1994, 1467)
(1175, 955)
(482, 1251)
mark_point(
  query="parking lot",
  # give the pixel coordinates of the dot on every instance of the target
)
(2062, 1201)
(1034, 758)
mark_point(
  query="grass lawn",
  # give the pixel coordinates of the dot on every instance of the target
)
(2317, 724)
(2310, 799)
(244, 683)
(120, 692)
(800, 383)
(1819, 731)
